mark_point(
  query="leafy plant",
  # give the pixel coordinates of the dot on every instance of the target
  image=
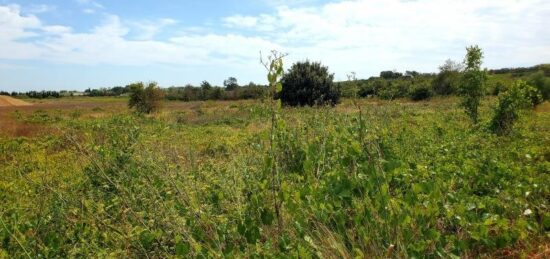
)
(519, 96)
(472, 86)
(541, 81)
(448, 79)
(145, 99)
(308, 83)
(421, 92)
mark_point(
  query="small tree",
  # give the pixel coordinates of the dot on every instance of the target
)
(230, 84)
(308, 83)
(205, 85)
(472, 86)
(519, 96)
(145, 99)
(446, 82)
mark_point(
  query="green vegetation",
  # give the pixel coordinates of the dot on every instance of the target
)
(145, 99)
(448, 79)
(362, 178)
(519, 96)
(472, 84)
(308, 83)
(410, 180)
(541, 81)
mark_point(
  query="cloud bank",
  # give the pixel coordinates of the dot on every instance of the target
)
(361, 36)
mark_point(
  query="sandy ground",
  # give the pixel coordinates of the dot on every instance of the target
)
(7, 101)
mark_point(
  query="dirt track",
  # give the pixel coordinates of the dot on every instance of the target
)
(6, 101)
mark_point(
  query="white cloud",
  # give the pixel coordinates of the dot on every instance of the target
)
(147, 30)
(362, 36)
(109, 43)
(14, 26)
(91, 3)
(371, 35)
(261, 23)
(88, 10)
(241, 21)
(40, 8)
(90, 6)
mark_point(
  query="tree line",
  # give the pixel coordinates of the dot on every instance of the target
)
(388, 85)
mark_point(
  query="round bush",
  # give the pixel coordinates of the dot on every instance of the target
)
(309, 83)
(422, 92)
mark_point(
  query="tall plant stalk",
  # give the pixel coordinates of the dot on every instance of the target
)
(274, 66)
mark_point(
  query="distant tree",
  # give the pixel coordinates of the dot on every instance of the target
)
(251, 91)
(118, 90)
(230, 84)
(390, 75)
(217, 93)
(451, 65)
(446, 82)
(472, 85)
(43, 94)
(308, 83)
(145, 99)
(205, 90)
(205, 85)
(411, 73)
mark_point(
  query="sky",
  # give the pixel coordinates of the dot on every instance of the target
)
(80, 44)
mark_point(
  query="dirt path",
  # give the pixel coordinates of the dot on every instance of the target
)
(7, 101)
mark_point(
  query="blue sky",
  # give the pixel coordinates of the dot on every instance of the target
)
(77, 44)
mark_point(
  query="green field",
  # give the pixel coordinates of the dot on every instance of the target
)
(86, 177)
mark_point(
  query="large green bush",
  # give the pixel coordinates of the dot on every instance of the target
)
(309, 83)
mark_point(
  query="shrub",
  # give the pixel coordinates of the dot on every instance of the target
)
(366, 90)
(532, 94)
(230, 84)
(498, 88)
(145, 99)
(372, 87)
(446, 82)
(309, 83)
(542, 83)
(395, 89)
(421, 92)
(519, 96)
(472, 86)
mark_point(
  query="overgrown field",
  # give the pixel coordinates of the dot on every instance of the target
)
(86, 177)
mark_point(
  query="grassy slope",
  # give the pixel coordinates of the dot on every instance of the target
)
(93, 180)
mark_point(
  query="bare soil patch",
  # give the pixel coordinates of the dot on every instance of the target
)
(7, 101)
